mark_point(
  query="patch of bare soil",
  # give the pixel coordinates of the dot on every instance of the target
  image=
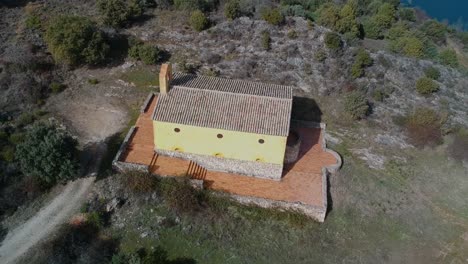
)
(93, 112)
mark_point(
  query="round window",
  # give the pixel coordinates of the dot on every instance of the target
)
(220, 135)
(261, 141)
(177, 130)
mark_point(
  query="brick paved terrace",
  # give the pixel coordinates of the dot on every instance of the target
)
(301, 182)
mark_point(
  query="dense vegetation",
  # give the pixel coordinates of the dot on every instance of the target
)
(47, 153)
(76, 40)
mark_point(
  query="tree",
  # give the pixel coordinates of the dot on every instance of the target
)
(273, 16)
(75, 40)
(147, 53)
(398, 30)
(426, 86)
(385, 15)
(328, 15)
(356, 105)
(199, 21)
(371, 29)
(116, 13)
(232, 9)
(48, 153)
(410, 46)
(348, 22)
(333, 41)
(363, 60)
(266, 40)
(449, 57)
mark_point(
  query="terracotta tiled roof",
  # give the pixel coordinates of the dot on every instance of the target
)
(226, 104)
(231, 86)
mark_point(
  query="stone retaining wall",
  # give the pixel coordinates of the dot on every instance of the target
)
(249, 168)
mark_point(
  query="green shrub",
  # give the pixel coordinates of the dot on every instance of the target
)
(320, 56)
(205, 5)
(95, 219)
(199, 21)
(426, 86)
(348, 24)
(409, 46)
(371, 29)
(48, 153)
(75, 40)
(266, 40)
(93, 81)
(432, 72)
(16, 138)
(33, 21)
(423, 126)
(435, 30)
(333, 41)
(117, 13)
(379, 95)
(385, 16)
(273, 16)
(448, 57)
(398, 30)
(25, 119)
(56, 87)
(328, 15)
(356, 105)
(357, 70)
(363, 58)
(232, 9)
(292, 34)
(7, 153)
(147, 53)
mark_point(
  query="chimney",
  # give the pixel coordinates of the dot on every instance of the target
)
(165, 76)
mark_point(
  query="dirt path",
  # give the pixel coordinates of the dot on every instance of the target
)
(19, 240)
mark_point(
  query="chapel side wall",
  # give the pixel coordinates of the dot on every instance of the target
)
(233, 145)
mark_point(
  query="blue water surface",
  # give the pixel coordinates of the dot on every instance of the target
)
(453, 11)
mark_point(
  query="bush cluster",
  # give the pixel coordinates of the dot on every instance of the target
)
(449, 57)
(356, 105)
(48, 153)
(204, 5)
(426, 86)
(76, 40)
(199, 21)
(273, 16)
(232, 9)
(117, 13)
(362, 60)
(266, 40)
(333, 41)
(147, 53)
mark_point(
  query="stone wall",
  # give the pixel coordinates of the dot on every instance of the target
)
(249, 168)
(121, 166)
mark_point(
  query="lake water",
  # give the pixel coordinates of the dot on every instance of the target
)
(453, 11)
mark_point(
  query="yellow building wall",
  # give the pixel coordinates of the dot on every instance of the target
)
(234, 145)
